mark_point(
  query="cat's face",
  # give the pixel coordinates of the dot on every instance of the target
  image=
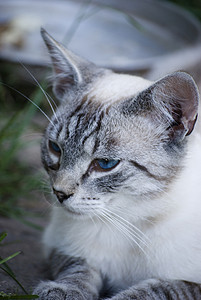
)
(116, 141)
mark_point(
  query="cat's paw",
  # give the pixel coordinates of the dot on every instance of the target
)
(51, 290)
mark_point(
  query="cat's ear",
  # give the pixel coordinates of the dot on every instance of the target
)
(71, 72)
(177, 98)
(171, 102)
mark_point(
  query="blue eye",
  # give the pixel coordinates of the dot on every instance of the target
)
(54, 148)
(107, 164)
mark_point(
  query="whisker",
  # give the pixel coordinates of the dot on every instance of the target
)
(130, 235)
(127, 212)
(111, 221)
(15, 90)
(124, 231)
(48, 206)
(51, 99)
(129, 225)
(43, 91)
(33, 135)
(102, 219)
(48, 95)
(121, 229)
(105, 219)
(92, 220)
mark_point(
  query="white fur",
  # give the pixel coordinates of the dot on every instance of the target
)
(112, 88)
(174, 245)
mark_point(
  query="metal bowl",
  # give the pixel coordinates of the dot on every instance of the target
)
(130, 35)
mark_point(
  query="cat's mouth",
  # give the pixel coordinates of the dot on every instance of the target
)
(70, 210)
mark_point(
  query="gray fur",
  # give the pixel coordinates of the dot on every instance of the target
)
(154, 289)
(145, 132)
(72, 279)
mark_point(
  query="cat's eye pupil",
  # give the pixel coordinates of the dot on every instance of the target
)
(54, 148)
(107, 164)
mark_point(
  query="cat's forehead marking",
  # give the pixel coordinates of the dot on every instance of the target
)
(91, 113)
(115, 87)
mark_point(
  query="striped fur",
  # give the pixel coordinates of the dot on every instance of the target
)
(154, 289)
(132, 230)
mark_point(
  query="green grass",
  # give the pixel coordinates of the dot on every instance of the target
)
(7, 270)
(16, 178)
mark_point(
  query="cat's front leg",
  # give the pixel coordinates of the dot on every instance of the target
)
(73, 279)
(154, 289)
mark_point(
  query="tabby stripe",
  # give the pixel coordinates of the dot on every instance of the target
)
(78, 108)
(59, 131)
(81, 111)
(60, 263)
(162, 290)
(179, 290)
(85, 103)
(95, 129)
(79, 119)
(88, 134)
(72, 130)
(149, 174)
(111, 182)
(97, 142)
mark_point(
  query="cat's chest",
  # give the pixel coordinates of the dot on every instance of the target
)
(124, 260)
(115, 259)
(112, 252)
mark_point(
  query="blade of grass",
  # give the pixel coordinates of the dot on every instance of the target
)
(20, 297)
(15, 279)
(7, 267)
(9, 257)
(3, 236)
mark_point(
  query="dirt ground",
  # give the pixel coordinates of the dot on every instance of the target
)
(27, 266)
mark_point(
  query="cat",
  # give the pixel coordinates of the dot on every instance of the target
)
(123, 156)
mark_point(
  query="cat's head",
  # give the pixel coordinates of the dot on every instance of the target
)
(117, 141)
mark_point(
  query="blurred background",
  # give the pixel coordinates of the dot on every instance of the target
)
(149, 38)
